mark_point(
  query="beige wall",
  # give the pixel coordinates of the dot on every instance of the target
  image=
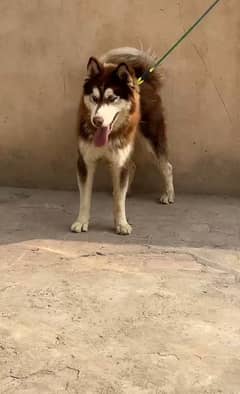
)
(44, 46)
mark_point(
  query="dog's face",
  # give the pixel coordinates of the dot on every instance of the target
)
(108, 95)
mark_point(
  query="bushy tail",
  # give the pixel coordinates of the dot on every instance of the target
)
(138, 59)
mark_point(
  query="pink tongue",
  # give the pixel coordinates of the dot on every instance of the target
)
(101, 136)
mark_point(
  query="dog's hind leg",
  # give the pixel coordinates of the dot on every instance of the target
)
(85, 175)
(166, 171)
(132, 171)
(165, 168)
(154, 131)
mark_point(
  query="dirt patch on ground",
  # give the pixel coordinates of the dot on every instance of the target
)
(82, 316)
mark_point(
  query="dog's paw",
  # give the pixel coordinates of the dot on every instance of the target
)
(79, 227)
(123, 229)
(167, 198)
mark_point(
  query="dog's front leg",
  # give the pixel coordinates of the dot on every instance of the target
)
(120, 188)
(85, 175)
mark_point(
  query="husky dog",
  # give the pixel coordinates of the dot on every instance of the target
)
(114, 111)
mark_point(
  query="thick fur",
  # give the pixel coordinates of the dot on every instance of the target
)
(114, 111)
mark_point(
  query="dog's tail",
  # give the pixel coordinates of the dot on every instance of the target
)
(138, 59)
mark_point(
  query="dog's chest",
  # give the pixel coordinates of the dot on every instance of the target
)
(92, 153)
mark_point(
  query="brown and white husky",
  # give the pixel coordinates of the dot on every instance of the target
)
(114, 111)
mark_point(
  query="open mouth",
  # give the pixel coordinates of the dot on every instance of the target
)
(102, 133)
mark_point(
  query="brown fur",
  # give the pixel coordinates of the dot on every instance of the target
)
(122, 136)
(152, 123)
(148, 114)
(153, 126)
(138, 110)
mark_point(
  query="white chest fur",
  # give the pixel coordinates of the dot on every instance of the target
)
(92, 153)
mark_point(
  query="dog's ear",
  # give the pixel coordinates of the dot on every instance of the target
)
(125, 73)
(94, 67)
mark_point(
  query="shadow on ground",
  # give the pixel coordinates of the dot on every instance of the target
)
(194, 221)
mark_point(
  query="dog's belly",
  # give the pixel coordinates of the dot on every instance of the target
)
(143, 151)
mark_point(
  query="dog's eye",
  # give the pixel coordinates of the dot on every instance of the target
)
(94, 98)
(112, 99)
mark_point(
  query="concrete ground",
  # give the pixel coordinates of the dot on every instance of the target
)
(156, 312)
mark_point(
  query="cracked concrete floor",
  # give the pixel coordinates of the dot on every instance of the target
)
(156, 312)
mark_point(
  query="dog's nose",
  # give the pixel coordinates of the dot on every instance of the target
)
(98, 121)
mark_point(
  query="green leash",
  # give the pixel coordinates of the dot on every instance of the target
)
(158, 62)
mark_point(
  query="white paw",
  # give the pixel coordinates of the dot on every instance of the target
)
(79, 227)
(167, 198)
(123, 229)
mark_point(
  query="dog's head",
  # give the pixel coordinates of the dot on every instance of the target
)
(109, 95)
